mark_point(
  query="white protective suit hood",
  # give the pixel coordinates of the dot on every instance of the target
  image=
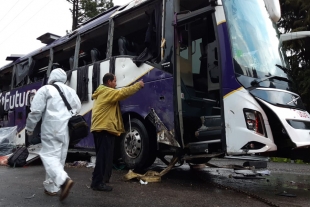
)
(57, 75)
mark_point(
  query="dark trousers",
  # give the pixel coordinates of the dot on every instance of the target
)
(104, 145)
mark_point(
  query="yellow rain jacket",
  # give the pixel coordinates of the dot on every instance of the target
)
(106, 113)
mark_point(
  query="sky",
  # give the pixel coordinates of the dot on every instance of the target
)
(23, 21)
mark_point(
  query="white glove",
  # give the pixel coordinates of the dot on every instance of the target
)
(29, 133)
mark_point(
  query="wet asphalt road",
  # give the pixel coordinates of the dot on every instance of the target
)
(180, 187)
(285, 180)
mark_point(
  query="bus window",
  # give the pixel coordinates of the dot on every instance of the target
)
(39, 65)
(5, 79)
(198, 62)
(5, 85)
(188, 5)
(93, 45)
(138, 32)
(64, 55)
(20, 74)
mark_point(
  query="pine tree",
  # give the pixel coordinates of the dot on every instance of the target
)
(82, 10)
(296, 17)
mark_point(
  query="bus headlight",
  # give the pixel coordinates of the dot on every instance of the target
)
(254, 121)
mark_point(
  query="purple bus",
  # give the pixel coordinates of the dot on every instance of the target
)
(215, 73)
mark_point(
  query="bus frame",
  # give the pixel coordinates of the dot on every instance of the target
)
(158, 41)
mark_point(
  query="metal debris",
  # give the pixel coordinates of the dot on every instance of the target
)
(246, 172)
(163, 134)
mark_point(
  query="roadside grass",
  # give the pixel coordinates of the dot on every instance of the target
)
(287, 160)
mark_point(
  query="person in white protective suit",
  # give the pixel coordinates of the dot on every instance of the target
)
(48, 105)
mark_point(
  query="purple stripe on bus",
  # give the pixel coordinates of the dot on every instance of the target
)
(16, 102)
(157, 94)
(229, 81)
(87, 142)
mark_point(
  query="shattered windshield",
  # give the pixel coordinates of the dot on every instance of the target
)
(254, 40)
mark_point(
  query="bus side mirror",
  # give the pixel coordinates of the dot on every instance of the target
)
(294, 36)
(274, 10)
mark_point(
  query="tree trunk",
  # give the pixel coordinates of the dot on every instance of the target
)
(75, 14)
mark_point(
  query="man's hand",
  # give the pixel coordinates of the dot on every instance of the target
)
(29, 133)
(141, 83)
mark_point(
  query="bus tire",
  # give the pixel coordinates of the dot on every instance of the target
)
(152, 153)
(135, 147)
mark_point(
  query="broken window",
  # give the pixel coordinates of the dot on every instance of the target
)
(93, 45)
(138, 33)
(38, 66)
(5, 79)
(20, 74)
(5, 85)
(64, 55)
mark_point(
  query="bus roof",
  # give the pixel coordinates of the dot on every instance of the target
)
(103, 17)
(89, 24)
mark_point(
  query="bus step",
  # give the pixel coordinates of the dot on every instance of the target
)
(211, 121)
(201, 147)
(208, 134)
(211, 128)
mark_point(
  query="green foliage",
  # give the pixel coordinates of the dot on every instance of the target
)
(91, 8)
(296, 17)
(82, 10)
(286, 160)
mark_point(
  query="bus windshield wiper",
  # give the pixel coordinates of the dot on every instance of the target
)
(288, 106)
(282, 68)
(257, 81)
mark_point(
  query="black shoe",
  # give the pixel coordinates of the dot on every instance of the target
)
(102, 187)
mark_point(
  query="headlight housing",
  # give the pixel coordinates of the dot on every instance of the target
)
(254, 121)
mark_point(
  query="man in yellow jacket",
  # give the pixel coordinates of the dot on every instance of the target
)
(107, 123)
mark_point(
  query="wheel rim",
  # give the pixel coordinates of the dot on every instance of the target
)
(132, 143)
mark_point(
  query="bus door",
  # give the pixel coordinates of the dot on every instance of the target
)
(199, 81)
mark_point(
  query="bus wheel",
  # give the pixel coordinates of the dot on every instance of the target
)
(135, 146)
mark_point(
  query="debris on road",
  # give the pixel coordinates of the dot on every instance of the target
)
(30, 196)
(248, 177)
(246, 172)
(284, 193)
(77, 164)
(264, 172)
(256, 164)
(151, 176)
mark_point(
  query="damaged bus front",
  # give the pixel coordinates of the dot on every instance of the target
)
(276, 112)
(232, 77)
